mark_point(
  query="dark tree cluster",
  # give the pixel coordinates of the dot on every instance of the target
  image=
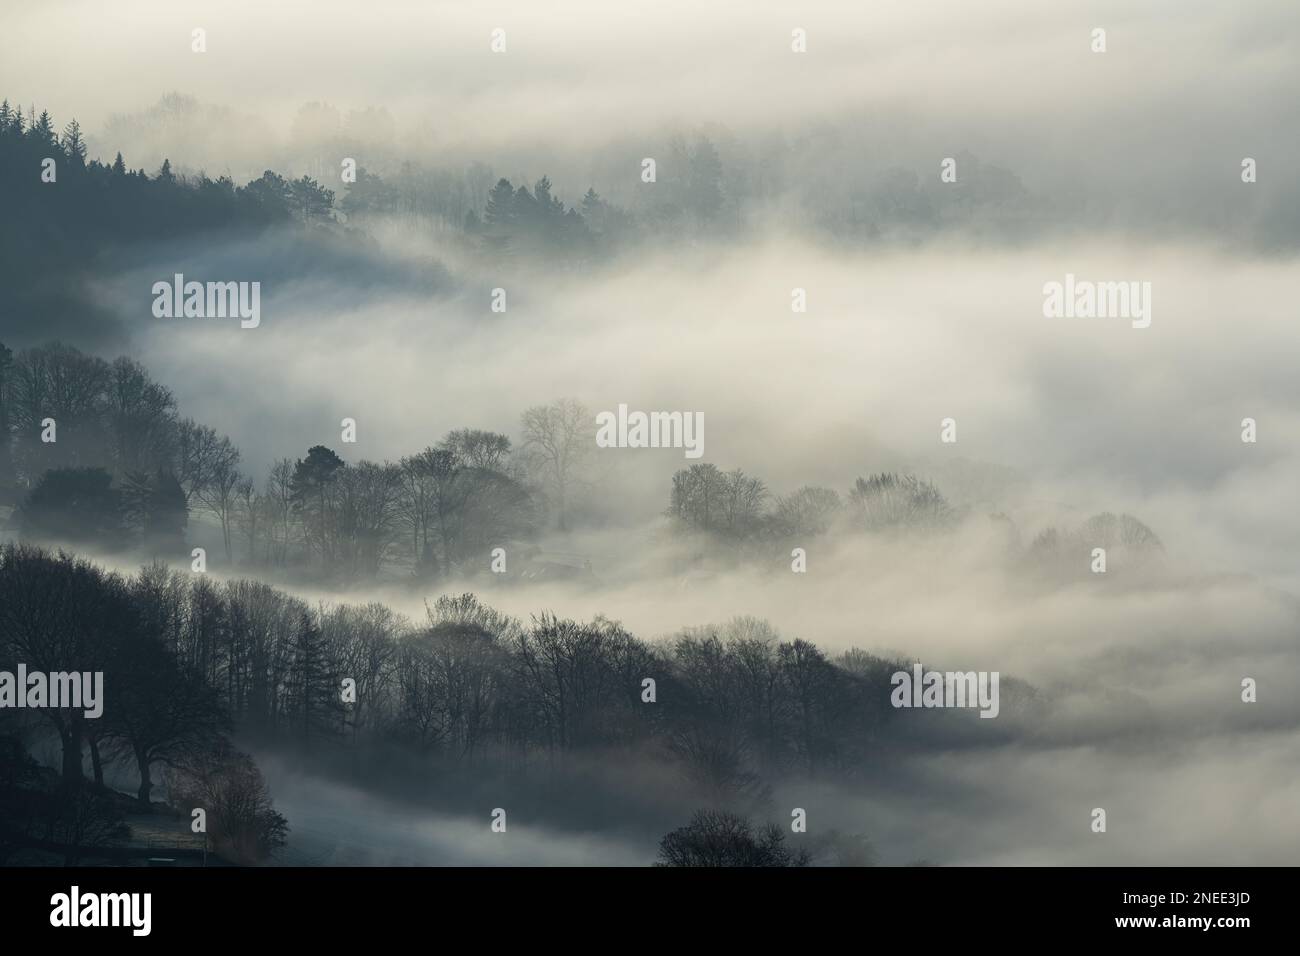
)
(1068, 552)
(707, 184)
(63, 614)
(64, 210)
(243, 824)
(39, 811)
(715, 838)
(517, 220)
(737, 509)
(112, 201)
(100, 451)
(159, 711)
(728, 705)
(188, 659)
(94, 453)
(508, 221)
(719, 838)
(736, 506)
(691, 194)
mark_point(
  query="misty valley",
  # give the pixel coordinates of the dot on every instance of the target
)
(356, 507)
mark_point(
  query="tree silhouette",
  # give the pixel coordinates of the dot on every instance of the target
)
(75, 504)
(6, 386)
(558, 439)
(160, 712)
(314, 704)
(242, 823)
(74, 147)
(313, 478)
(719, 838)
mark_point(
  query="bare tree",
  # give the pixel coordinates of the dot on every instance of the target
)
(478, 448)
(719, 838)
(367, 504)
(251, 508)
(894, 501)
(558, 441)
(279, 497)
(808, 511)
(364, 641)
(58, 382)
(162, 713)
(198, 450)
(221, 492)
(60, 614)
(426, 482)
(696, 497)
(242, 819)
(743, 497)
(141, 416)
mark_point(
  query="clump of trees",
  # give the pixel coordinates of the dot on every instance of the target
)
(98, 455)
(111, 199)
(63, 614)
(188, 661)
(720, 838)
(243, 824)
(160, 707)
(516, 220)
(1069, 552)
(736, 510)
(728, 504)
(725, 838)
(708, 184)
(65, 211)
(123, 469)
(40, 813)
(890, 502)
(735, 704)
(735, 506)
(127, 471)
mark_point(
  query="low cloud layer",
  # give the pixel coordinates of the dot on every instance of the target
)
(1151, 131)
(1094, 414)
(1132, 159)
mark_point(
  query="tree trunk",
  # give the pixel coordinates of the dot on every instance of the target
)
(146, 784)
(96, 762)
(72, 754)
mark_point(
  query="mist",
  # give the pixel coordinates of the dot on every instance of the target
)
(922, 349)
(1127, 138)
(1091, 414)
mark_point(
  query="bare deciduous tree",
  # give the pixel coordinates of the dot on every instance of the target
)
(220, 494)
(558, 441)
